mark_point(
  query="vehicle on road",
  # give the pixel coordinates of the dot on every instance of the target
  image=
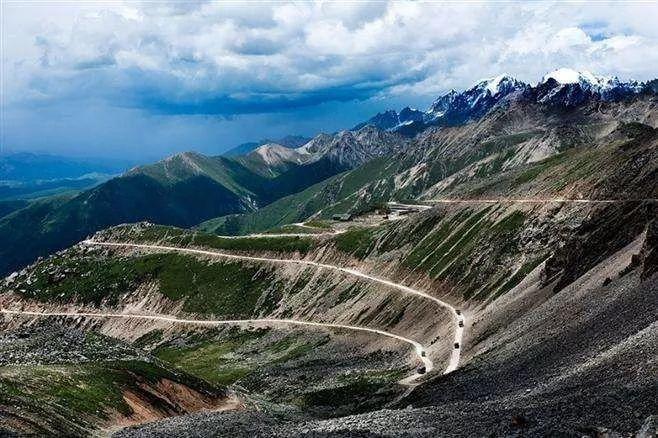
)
(456, 345)
(461, 323)
(422, 353)
(421, 370)
(458, 312)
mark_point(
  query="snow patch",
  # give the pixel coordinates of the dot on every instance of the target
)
(493, 84)
(569, 76)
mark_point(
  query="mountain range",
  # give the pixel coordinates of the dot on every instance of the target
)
(184, 190)
(562, 88)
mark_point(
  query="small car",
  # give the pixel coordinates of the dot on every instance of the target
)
(422, 353)
(456, 345)
(461, 323)
(421, 370)
(458, 312)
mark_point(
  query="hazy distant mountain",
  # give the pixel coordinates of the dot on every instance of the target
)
(7, 207)
(40, 188)
(26, 175)
(24, 166)
(241, 149)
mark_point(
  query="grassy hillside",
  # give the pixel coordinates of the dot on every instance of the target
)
(7, 207)
(51, 224)
(183, 190)
(337, 194)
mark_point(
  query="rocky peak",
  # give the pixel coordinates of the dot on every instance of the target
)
(276, 154)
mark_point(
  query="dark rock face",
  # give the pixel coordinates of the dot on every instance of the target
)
(386, 120)
(649, 428)
(554, 94)
(392, 120)
(648, 257)
(457, 108)
(610, 229)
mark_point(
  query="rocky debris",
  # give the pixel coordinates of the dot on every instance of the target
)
(429, 422)
(51, 343)
(649, 428)
(235, 424)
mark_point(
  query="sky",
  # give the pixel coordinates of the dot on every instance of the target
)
(142, 80)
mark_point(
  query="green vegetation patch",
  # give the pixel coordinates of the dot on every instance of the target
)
(351, 393)
(222, 288)
(432, 240)
(87, 279)
(211, 357)
(180, 237)
(292, 347)
(275, 244)
(228, 357)
(538, 168)
(318, 223)
(510, 223)
(456, 243)
(227, 288)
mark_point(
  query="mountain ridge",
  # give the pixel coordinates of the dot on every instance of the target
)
(562, 88)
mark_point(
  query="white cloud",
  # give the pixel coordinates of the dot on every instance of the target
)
(228, 58)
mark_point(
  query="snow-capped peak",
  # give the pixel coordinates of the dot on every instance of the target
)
(563, 76)
(493, 84)
(568, 76)
(583, 85)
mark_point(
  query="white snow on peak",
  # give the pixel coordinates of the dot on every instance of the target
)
(563, 76)
(493, 84)
(569, 76)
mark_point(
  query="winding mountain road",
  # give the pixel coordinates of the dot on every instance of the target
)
(418, 348)
(420, 351)
(457, 316)
(536, 201)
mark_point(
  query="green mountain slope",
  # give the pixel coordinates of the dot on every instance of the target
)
(51, 224)
(517, 150)
(182, 190)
